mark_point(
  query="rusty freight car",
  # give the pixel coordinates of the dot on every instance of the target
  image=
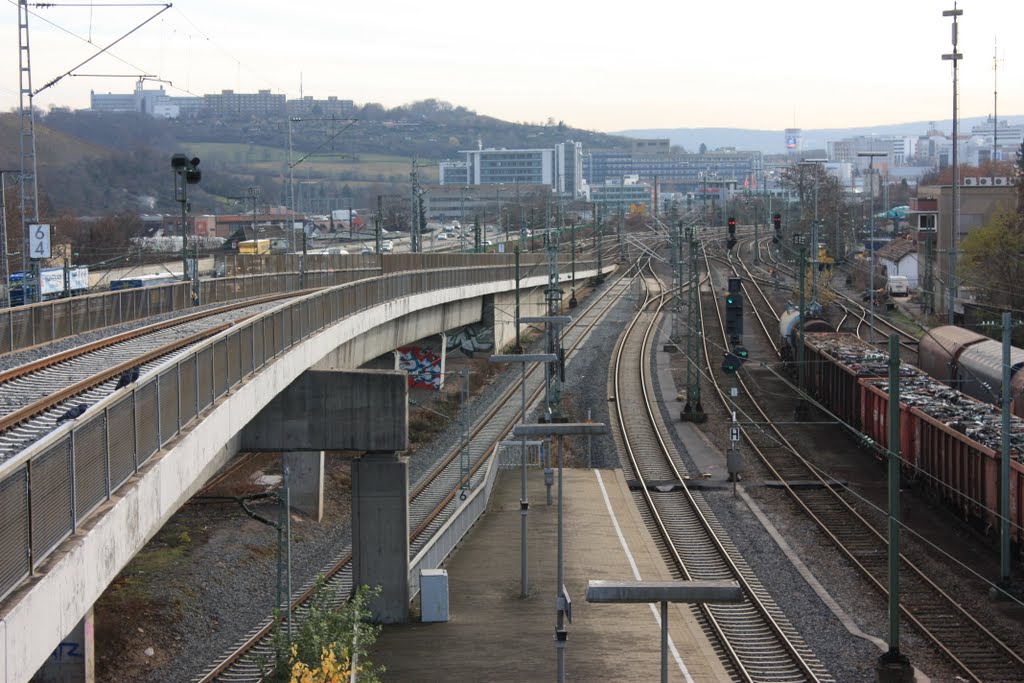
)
(950, 443)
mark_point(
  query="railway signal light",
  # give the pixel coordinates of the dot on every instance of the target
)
(741, 353)
(777, 221)
(732, 225)
(734, 316)
(730, 363)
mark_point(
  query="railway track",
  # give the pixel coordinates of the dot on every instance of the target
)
(38, 394)
(432, 500)
(756, 641)
(854, 312)
(976, 651)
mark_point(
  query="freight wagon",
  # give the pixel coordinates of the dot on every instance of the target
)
(949, 442)
(51, 284)
(149, 280)
(972, 363)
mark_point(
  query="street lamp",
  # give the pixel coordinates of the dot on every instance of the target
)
(871, 263)
(187, 174)
(955, 57)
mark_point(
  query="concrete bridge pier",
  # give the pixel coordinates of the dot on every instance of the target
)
(306, 480)
(74, 660)
(380, 532)
(350, 410)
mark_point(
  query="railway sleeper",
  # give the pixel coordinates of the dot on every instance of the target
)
(804, 484)
(670, 485)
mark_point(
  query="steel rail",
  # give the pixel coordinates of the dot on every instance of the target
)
(752, 654)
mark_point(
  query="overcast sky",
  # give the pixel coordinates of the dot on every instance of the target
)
(744, 63)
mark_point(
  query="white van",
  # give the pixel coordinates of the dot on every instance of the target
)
(898, 285)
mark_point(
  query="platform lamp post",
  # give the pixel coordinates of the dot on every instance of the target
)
(187, 174)
(664, 592)
(563, 604)
(524, 502)
(871, 264)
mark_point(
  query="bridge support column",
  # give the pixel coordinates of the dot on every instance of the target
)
(380, 532)
(306, 477)
(74, 660)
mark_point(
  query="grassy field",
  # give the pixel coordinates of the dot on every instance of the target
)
(364, 168)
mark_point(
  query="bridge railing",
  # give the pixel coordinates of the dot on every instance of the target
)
(47, 491)
(25, 326)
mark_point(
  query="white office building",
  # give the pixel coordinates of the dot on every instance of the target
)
(560, 168)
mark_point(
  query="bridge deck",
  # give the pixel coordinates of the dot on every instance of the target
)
(493, 634)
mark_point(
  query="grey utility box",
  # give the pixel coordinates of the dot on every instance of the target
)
(433, 595)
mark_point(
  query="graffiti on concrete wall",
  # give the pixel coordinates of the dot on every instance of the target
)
(422, 365)
(471, 339)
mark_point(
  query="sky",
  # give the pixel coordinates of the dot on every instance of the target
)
(604, 67)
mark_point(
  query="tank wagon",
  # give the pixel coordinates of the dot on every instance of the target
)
(949, 443)
(789, 328)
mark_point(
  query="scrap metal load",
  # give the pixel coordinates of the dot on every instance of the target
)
(950, 443)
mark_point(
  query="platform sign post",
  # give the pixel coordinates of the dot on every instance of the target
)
(38, 250)
(39, 241)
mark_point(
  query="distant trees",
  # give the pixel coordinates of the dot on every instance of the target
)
(993, 261)
(105, 239)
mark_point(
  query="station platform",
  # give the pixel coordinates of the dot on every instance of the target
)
(495, 635)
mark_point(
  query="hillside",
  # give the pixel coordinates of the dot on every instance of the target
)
(106, 162)
(53, 147)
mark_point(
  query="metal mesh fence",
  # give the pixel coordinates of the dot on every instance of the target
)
(121, 440)
(50, 478)
(90, 467)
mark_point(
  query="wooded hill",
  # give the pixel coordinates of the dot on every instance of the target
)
(92, 162)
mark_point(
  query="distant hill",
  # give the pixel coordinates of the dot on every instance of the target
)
(773, 141)
(95, 162)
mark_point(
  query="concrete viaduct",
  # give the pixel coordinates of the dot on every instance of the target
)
(51, 610)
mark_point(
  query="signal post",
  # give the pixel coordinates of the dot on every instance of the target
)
(731, 363)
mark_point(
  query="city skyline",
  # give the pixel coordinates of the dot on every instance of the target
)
(804, 64)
